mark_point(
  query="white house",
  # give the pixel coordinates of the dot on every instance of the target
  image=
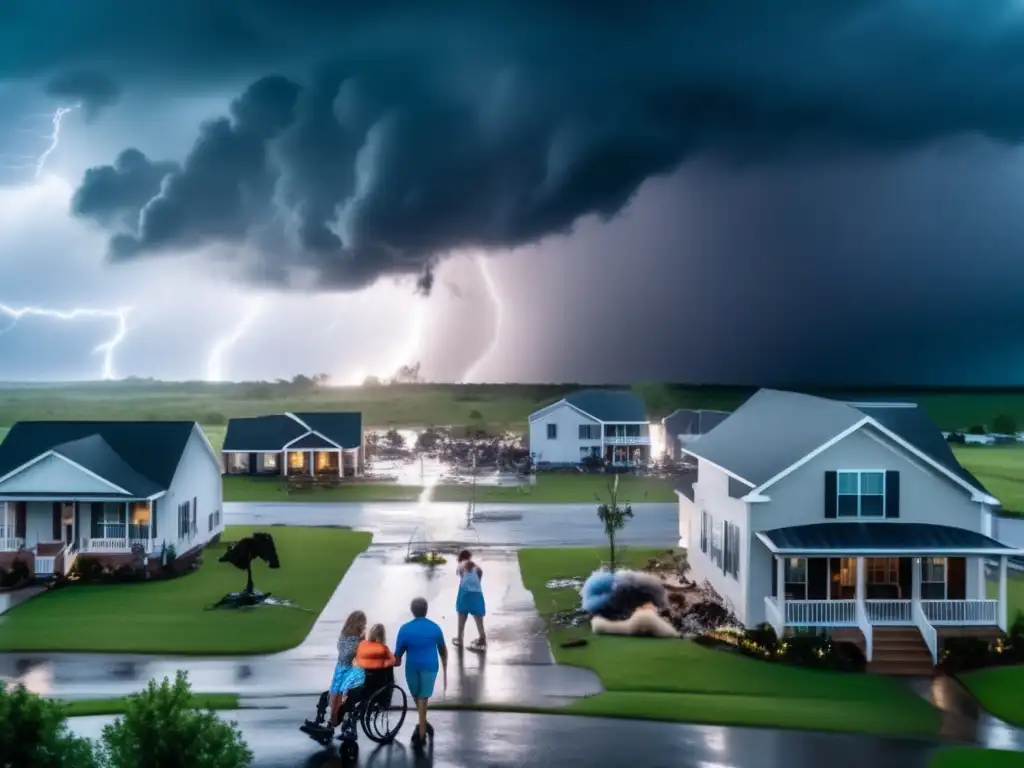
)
(103, 487)
(852, 518)
(610, 424)
(320, 443)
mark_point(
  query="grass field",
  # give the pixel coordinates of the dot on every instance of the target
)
(678, 680)
(117, 706)
(1000, 469)
(549, 489)
(170, 617)
(504, 406)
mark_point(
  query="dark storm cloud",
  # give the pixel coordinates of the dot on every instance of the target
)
(92, 90)
(114, 195)
(405, 131)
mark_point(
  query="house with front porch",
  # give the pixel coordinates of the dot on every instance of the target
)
(854, 519)
(600, 423)
(322, 443)
(104, 489)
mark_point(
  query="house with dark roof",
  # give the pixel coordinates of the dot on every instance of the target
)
(854, 519)
(106, 488)
(603, 423)
(684, 425)
(323, 443)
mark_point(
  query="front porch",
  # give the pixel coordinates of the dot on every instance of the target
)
(924, 585)
(78, 526)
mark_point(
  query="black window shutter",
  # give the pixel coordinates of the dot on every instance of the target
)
(830, 494)
(892, 493)
(153, 515)
(775, 577)
(56, 520)
(95, 513)
(725, 548)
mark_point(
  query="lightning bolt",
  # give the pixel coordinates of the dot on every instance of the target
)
(108, 348)
(214, 364)
(54, 137)
(499, 314)
(404, 356)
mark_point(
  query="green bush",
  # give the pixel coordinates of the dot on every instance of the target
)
(34, 733)
(161, 729)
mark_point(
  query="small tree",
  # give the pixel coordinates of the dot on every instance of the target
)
(614, 517)
(162, 729)
(34, 733)
(1004, 424)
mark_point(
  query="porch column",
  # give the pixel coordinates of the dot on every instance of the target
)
(127, 519)
(862, 579)
(915, 593)
(780, 580)
(312, 463)
(149, 547)
(341, 463)
(1002, 593)
(284, 462)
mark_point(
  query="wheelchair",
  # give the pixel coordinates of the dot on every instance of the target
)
(378, 706)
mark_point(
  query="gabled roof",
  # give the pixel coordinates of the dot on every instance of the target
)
(606, 405)
(141, 457)
(774, 430)
(271, 434)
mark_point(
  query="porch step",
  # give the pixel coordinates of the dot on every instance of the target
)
(899, 651)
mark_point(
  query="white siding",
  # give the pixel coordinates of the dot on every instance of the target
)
(197, 479)
(926, 496)
(54, 475)
(565, 448)
(711, 495)
(38, 522)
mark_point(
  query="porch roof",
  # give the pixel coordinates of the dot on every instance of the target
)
(888, 538)
(312, 441)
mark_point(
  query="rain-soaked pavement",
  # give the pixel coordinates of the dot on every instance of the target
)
(962, 717)
(505, 525)
(496, 740)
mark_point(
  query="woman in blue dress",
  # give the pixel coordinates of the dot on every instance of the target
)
(346, 676)
(470, 601)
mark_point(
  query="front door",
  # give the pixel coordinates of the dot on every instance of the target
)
(67, 517)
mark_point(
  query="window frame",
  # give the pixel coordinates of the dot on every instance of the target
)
(860, 495)
(787, 582)
(552, 431)
(945, 577)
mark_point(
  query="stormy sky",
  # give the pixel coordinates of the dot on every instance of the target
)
(820, 191)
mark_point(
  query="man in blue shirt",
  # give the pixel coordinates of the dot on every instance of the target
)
(423, 642)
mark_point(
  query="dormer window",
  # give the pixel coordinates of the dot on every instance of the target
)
(860, 493)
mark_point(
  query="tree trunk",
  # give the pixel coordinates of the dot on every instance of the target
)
(611, 549)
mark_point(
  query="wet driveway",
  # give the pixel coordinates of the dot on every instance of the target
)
(496, 740)
(504, 525)
(517, 668)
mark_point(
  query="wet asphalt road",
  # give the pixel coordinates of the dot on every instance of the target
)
(496, 740)
(526, 525)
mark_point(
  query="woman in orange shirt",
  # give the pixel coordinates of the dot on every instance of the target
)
(373, 652)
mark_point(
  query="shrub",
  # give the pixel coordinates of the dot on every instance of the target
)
(88, 568)
(34, 733)
(977, 429)
(161, 729)
(476, 415)
(17, 575)
(956, 437)
(1004, 424)
(214, 419)
(963, 654)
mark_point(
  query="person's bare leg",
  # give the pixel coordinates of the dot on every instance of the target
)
(462, 629)
(336, 705)
(421, 710)
(482, 640)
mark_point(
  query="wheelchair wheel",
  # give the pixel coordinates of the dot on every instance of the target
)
(384, 714)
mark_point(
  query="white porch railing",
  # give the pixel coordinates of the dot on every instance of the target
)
(864, 624)
(889, 611)
(112, 545)
(643, 440)
(773, 615)
(44, 565)
(11, 543)
(981, 612)
(821, 613)
(70, 554)
(928, 633)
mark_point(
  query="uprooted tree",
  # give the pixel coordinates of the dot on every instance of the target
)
(613, 517)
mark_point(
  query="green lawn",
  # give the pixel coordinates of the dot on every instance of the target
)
(117, 706)
(682, 681)
(170, 616)
(1000, 468)
(971, 757)
(550, 489)
(1000, 690)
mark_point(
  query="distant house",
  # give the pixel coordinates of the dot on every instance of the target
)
(685, 425)
(295, 444)
(850, 518)
(103, 488)
(609, 424)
